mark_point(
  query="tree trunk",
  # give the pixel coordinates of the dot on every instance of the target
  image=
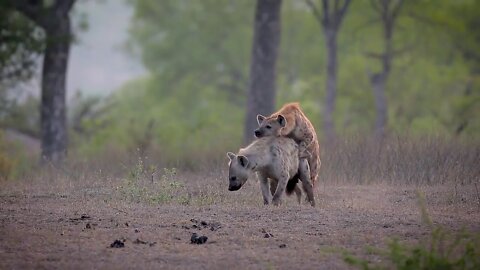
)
(378, 84)
(55, 21)
(266, 39)
(331, 82)
(388, 11)
(53, 108)
(330, 19)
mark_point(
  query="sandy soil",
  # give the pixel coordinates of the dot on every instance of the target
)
(72, 227)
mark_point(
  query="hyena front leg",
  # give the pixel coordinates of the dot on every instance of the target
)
(304, 170)
(265, 189)
(304, 145)
(282, 184)
(303, 150)
(273, 186)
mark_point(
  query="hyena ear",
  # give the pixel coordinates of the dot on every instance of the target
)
(243, 161)
(281, 120)
(230, 155)
(260, 119)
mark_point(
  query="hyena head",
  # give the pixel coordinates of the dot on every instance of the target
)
(269, 126)
(238, 171)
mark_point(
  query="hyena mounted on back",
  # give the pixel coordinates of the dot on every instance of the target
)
(274, 158)
(291, 122)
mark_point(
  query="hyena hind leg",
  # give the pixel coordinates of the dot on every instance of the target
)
(298, 192)
(304, 169)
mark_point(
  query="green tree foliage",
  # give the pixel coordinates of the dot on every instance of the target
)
(462, 24)
(198, 56)
(207, 41)
(198, 52)
(21, 44)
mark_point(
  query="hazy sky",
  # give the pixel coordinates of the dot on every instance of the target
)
(98, 64)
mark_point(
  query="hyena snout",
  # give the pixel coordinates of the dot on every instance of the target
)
(234, 184)
(233, 188)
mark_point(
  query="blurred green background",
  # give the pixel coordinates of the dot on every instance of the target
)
(190, 100)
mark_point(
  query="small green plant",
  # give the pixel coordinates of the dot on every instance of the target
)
(141, 185)
(442, 250)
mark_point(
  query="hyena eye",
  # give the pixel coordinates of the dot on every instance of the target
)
(268, 126)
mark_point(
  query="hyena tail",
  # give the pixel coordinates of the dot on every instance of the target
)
(292, 183)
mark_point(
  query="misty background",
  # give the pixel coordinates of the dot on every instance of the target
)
(182, 81)
(100, 63)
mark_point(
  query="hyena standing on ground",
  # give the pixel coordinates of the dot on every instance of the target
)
(291, 122)
(274, 158)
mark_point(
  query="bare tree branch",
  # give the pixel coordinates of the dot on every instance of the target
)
(344, 8)
(335, 5)
(326, 11)
(316, 12)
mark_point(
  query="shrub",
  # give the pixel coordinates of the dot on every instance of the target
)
(443, 251)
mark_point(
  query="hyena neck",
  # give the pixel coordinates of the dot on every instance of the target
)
(256, 163)
(257, 153)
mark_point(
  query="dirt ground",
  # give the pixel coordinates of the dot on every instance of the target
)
(58, 225)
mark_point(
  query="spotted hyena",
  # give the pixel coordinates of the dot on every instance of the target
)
(276, 161)
(291, 122)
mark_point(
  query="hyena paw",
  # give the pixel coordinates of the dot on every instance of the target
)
(276, 202)
(304, 154)
(310, 200)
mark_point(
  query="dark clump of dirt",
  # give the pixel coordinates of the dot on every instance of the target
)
(82, 217)
(90, 226)
(266, 234)
(117, 244)
(213, 226)
(195, 239)
(139, 241)
(282, 246)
